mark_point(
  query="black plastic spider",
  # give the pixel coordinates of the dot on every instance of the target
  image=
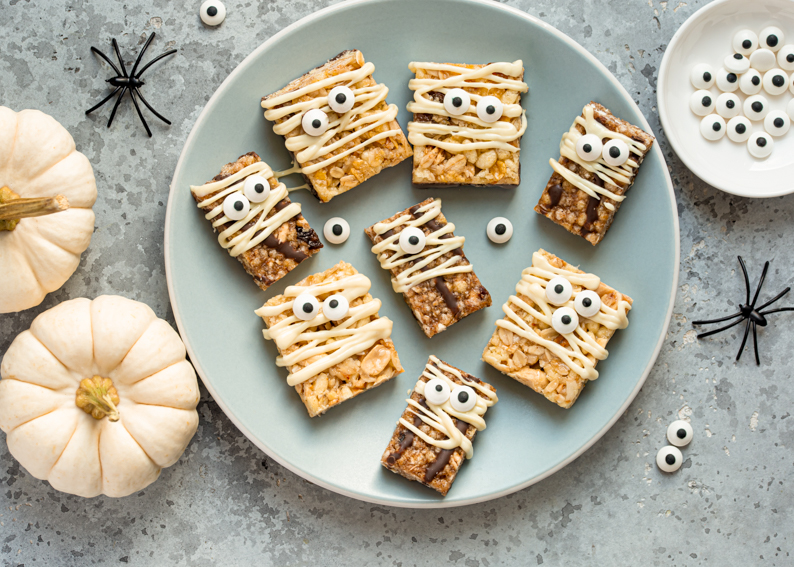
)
(754, 315)
(132, 82)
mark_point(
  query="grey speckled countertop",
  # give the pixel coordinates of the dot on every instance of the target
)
(226, 503)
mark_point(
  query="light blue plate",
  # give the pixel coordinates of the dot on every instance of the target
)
(528, 438)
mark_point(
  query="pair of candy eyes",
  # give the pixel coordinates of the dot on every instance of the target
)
(306, 307)
(615, 152)
(461, 398)
(559, 291)
(315, 122)
(458, 102)
(237, 205)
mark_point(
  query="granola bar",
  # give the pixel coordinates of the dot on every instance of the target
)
(272, 237)
(436, 430)
(528, 345)
(587, 187)
(468, 123)
(330, 337)
(338, 141)
(433, 274)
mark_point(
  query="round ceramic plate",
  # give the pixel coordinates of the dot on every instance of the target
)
(528, 438)
(706, 38)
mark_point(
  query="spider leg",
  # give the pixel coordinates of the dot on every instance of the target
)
(777, 311)
(149, 106)
(115, 106)
(715, 331)
(118, 54)
(140, 114)
(755, 345)
(710, 321)
(104, 100)
(107, 59)
(155, 60)
(746, 280)
(771, 301)
(140, 55)
(744, 340)
(760, 283)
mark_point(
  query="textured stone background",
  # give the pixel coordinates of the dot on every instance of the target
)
(225, 503)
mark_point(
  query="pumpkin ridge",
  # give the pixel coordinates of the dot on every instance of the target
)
(159, 468)
(34, 418)
(15, 379)
(65, 446)
(61, 362)
(150, 375)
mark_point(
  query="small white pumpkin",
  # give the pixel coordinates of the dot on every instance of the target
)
(111, 357)
(38, 159)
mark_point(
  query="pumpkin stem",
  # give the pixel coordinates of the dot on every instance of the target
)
(97, 396)
(13, 207)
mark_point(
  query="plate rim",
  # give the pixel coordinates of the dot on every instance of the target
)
(430, 504)
(661, 102)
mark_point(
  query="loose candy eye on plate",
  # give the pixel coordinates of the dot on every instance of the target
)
(702, 76)
(669, 459)
(616, 152)
(760, 144)
(212, 12)
(777, 123)
(785, 57)
(737, 63)
(564, 320)
(236, 206)
(775, 82)
(587, 303)
(739, 129)
(771, 38)
(589, 147)
(341, 99)
(499, 230)
(559, 290)
(490, 109)
(336, 230)
(728, 105)
(412, 240)
(745, 42)
(436, 391)
(751, 82)
(305, 307)
(701, 103)
(315, 122)
(727, 81)
(762, 60)
(679, 433)
(712, 127)
(256, 188)
(336, 307)
(463, 398)
(457, 102)
(756, 107)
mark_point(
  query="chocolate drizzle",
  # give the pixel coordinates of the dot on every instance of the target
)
(443, 457)
(406, 440)
(449, 297)
(592, 208)
(284, 249)
(555, 194)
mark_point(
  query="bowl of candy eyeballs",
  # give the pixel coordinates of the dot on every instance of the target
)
(726, 96)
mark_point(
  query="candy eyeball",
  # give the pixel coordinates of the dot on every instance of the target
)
(490, 109)
(412, 240)
(775, 82)
(669, 459)
(679, 433)
(336, 230)
(436, 391)
(771, 38)
(336, 307)
(702, 76)
(760, 145)
(727, 81)
(737, 63)
(587, 303)
(756, 107)
(212, 12)
(701, 103)
(499, 230)
(589, 147)
(712, 127)
(341, 99)
(728, 105)
(558, 291)
(616, 152)
(790, 109)
(777, 123)
(315, 122)
(305, 307)
(745, 42)
(762, 60)
(751, 82)
(457, 102)
(785, 57)
(463, 398)
(564, 320)
(236, 206)
(739, 129)
(256, 188)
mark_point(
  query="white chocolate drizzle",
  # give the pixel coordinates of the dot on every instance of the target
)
(496, 135)
(345, 339)
(440, 417)
(262, 226)
(348, 126)
(533, 285)
(390, 255)
(614, 175)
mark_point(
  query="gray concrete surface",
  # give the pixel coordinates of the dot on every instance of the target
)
(226, 503)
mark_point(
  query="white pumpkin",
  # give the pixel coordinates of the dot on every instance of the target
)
(38, 159)
(116, 339)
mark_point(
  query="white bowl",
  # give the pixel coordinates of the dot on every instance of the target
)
(706, 37)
